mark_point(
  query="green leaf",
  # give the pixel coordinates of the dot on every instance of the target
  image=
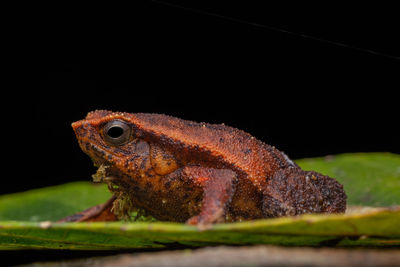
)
(370, 179)
(52, 203)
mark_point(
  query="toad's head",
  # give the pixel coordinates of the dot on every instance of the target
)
(107, 137)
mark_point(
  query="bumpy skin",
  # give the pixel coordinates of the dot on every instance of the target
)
(201, 173)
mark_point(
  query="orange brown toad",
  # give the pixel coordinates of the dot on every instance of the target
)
(199, 173)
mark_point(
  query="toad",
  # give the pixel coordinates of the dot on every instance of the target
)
(198, 173)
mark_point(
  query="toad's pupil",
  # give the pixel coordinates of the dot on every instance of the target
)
(115, 132)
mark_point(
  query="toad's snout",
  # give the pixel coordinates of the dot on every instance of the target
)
(77, 124)
(82, 129)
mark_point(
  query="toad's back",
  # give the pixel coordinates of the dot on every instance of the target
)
(214, 143)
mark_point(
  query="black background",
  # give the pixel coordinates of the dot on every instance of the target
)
(263, 69)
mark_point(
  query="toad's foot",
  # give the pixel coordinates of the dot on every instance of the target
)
(97, 213)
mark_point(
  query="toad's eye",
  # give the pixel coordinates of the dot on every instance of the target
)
(117, 132)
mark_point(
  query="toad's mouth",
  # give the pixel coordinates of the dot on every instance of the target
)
(100, 157)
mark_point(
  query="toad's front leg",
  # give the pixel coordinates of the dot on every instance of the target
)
(218, 187)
